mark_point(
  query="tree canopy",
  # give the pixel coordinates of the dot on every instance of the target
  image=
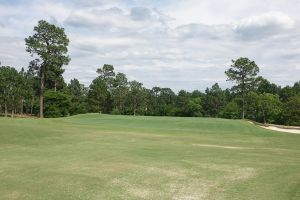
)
(48, 46)
(243, 72)
(41, 87)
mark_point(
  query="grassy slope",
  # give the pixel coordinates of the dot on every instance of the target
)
(118, 157)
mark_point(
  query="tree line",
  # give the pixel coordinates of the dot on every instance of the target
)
(41, 90)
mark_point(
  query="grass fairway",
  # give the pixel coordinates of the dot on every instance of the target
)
(123, 157)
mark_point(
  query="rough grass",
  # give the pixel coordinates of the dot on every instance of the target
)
(122, 157)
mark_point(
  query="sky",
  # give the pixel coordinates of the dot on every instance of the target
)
(180, 44)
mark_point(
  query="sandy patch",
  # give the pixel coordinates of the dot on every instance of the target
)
(240, 148)
(275, 128)
(219, 146)
(295, 131)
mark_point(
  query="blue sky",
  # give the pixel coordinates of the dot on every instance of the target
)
(184, 44)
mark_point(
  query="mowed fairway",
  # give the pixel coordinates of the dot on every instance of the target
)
(123, 157)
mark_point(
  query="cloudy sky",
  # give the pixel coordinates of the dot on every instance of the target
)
(181, 44)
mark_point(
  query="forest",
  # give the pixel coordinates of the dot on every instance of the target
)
(40, 90)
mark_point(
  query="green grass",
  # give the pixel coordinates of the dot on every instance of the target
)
(123, 157)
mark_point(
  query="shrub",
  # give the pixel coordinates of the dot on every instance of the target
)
(57, 104)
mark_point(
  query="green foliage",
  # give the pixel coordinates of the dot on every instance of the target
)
(166, 102)
(251, 97)
(215, 101)
(161, 102)
(107, 71)
(194, 107)
(119, 92)
(264, 86)
(243, 72)
(291, 111)
(182, 101)
(286, 93)
(264, 108)
(107, 74)
(78, 95)
(12, 89)
(136, 97)
(231, 111)
(98, 95)
(187, 106)
(252, 105)
(296, 87)
(57, 104)
(48, 45)
(270, 107)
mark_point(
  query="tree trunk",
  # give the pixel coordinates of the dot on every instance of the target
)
(12, 113)
(42, 93)
(99, 107)
(135, 106)
(31, 108)
(243, 97)
(22, 106)
(243, 107)
(264, 117)
(5, 110)
(55, 85)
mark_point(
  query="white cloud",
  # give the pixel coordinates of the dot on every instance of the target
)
(268, 19)
(111, 19)
(183, 44)
(12, 52)
(265, 25)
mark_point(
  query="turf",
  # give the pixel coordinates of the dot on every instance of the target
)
(123, 157)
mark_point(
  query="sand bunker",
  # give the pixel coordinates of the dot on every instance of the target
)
(273, 128)
(219, 146)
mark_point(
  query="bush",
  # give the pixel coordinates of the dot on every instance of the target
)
(116, 111)
(56, 104)
(291, 111)
(231, 111)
